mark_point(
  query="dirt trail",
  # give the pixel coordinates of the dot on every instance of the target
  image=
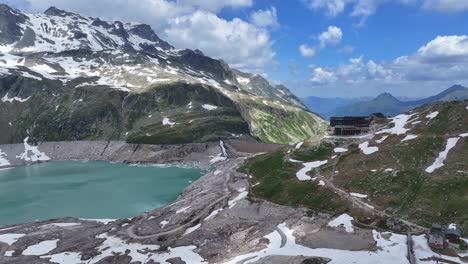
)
(203, 213)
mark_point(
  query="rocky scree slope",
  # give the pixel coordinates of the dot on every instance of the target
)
(68, 77)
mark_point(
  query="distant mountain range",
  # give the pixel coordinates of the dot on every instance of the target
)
(384, 103)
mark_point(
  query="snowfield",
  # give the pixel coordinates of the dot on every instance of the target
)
(382, 139)
(409, 137)
(308, 166)
(35, 154)
(209, 107)
(42, 248)
(242, 194)
(191, 229)
(399, 123)
(137, 252)
(299, 145)
(439, 162)
(432, 115)
(9, 239)
(14, 99)
(183, 210)
(343, 220)
(392, 250)
(167, 122)
(358, 195)
(3, 159)
(366, 149)
(340, 150)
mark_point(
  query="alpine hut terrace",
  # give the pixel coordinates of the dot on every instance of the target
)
(352, 125)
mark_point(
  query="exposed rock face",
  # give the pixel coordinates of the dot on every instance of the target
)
(68, 77)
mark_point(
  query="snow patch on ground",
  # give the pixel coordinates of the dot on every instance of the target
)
(358, 195)
(138, 252)
(243, 81)
(42, 248)
(340, 150)
(36, 155)
(163, 223)
(191, 229)
(3, 159)
(14, 99)
(439, 162)
(183, 210)
(242, 194)
(390, 251)
(381, 139)
(308, 166)
(167, 122)
(343, 220)
(299, 145)
(399, 122)
(409, 137)
(213, 214)
(10, 238)
(64, 258)
(209, 107)
(432, 115)
(217, 158)
(366, 149)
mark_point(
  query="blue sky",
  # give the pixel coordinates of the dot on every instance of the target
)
(350, 47)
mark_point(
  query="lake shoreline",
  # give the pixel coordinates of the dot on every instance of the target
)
(113, 151)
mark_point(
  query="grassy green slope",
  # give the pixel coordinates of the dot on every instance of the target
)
(275, 180)
(408, 190)
(55, 112)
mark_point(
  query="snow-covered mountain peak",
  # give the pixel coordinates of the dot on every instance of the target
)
(61, 45)
(57, 30)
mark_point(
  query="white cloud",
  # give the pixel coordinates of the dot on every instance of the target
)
(438, 64)
(331, 37)
(446, 5)
(320, 76)
(346, 50)
(238, 42)
(187, 24)
(216, 5)
(265, 18)
(445, 48)
(306, 51)
(332, 7)
(365, 8)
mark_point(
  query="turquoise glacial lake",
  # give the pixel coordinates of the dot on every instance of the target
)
(88, 189)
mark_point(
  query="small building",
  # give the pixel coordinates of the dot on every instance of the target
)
(436, 236)
(349, 125)
(453, 234)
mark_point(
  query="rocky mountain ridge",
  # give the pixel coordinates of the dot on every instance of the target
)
(71, 60)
